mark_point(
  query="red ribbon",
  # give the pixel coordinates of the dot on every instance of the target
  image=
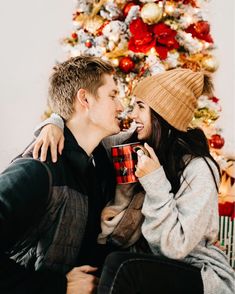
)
(227, 209)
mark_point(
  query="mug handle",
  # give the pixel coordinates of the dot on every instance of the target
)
(140, 147)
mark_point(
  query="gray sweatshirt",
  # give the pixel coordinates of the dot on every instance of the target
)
(184, 226)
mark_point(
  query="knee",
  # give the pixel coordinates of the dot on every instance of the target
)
(115, 259)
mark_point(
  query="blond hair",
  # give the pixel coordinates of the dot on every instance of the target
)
(82, 72)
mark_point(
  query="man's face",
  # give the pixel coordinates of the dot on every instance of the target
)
(106, 108)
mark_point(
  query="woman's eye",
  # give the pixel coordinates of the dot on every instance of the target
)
(141, 106)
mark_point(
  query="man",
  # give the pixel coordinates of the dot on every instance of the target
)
(50, 212)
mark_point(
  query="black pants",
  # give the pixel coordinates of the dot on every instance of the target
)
(133, 273)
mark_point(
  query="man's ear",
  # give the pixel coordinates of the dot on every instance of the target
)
(82, 98)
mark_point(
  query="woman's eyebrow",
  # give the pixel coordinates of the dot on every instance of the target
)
(140, 102)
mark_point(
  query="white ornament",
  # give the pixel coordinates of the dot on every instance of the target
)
(151, 13)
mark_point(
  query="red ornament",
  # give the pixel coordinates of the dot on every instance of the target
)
(74, 36)
(216, 141)
(88, 44)
(126, 64)
(127, 8)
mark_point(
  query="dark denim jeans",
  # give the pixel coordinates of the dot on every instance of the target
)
(133, 273)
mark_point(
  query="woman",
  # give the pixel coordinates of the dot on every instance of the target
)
(180, 209)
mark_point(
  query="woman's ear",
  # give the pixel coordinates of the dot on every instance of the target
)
(81, 98)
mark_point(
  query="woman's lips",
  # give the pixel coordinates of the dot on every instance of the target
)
(139, 127)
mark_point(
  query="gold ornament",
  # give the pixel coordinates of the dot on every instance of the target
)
(93, 24)
(210, 63)
(151, 13)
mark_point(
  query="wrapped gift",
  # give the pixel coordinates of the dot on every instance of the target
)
(227, 211)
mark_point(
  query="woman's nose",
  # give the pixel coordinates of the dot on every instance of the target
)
(133, 113)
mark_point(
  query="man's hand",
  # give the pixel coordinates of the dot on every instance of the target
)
(80, 281)
(50, 136)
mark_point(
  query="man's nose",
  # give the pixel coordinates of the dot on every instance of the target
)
(120, 106)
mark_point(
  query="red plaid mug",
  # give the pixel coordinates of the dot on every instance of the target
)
(125, 159)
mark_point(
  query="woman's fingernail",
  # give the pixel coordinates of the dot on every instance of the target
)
(140, 152)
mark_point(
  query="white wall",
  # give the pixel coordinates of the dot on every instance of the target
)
(222, 16)
(30, 32)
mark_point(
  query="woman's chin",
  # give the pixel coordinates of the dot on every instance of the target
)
(141, 136)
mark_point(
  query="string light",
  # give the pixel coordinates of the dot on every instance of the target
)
(169, 8)
(115, 61)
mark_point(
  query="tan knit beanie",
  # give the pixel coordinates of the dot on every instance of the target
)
(173, 95)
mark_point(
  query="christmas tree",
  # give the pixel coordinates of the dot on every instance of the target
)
(146, 37)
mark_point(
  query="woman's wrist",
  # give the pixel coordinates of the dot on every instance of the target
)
(54, 119)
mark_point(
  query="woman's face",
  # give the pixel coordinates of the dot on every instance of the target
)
(141, 114)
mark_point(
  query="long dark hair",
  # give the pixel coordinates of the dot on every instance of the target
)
(170, 145)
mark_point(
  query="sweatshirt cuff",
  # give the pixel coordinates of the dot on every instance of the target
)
(54, 119)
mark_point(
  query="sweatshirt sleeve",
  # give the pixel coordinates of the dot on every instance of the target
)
(24, 190)
(54, 119)
(116, 139)
(175, 224)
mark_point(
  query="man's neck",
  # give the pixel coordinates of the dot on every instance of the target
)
(86, 136)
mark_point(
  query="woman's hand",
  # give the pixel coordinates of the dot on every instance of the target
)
(50, 136)
(146, 164)
(80, 281)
